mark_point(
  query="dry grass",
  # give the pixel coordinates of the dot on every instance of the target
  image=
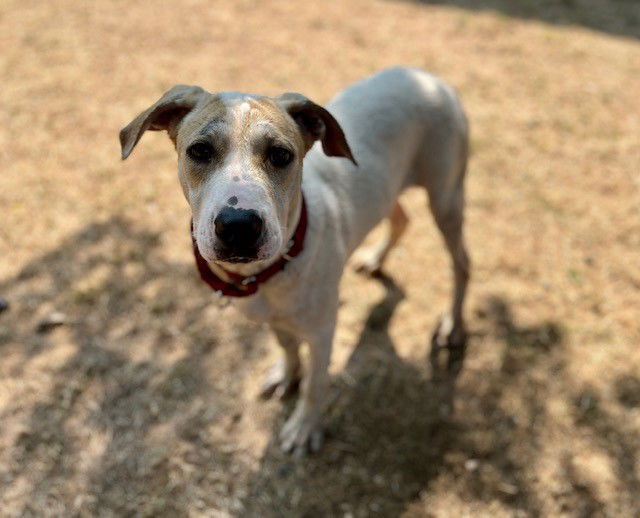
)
(145, 403)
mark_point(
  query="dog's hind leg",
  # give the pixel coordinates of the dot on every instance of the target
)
(371, 260)
(448, 214)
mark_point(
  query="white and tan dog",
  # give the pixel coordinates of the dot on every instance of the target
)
(245, 162)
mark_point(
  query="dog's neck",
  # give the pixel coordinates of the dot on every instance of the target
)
(254, 267)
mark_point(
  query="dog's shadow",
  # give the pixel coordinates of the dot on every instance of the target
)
(388, 428)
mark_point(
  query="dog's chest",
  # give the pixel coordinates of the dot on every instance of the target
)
(260, 308)
(256, 308)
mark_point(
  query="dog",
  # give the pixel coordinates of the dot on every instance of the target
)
(282, 191)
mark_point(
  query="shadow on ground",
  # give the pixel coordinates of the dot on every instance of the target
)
(393, 430)
(388, 426)
(399, 429)
(100, 434)
(130, 420)
(617, 17)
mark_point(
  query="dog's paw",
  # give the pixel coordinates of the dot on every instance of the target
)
(450, 339)
(367, 261)
(447, 335)
(302, 433)
(279, 383)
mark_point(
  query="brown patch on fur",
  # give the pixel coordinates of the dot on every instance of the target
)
(164, 114)
(202, 120)
(316, 123)
(281, 127)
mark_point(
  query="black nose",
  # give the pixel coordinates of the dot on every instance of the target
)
(239, 230)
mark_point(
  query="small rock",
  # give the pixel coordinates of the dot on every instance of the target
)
(586, 402)
(284, 470)
(471, 464)
(508, 489)
(52, 320)
(4, 304)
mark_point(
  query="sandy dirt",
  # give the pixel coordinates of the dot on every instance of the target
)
(143, 402)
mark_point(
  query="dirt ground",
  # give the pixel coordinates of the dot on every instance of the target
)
(144, 402)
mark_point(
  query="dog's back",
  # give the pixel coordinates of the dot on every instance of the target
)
(405, 127)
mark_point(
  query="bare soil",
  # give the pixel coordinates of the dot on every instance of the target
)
(143, 401)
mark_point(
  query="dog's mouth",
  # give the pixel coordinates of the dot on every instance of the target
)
(236, 255)
(238, 259)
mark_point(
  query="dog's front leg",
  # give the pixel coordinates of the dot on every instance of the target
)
(283, 378)
(303, 430)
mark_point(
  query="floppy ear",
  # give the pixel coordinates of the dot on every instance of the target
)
(317, 123)
(163, 115)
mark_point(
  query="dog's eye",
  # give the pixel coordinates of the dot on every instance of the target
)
(280, 157)
(200, 152)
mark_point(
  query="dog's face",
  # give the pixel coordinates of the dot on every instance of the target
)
(240, 164)
(240, 167)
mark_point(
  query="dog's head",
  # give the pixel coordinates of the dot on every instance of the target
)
(239, 164)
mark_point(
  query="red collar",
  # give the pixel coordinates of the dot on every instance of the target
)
(241, 286)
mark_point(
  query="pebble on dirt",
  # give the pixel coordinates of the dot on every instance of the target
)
(52, 320)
